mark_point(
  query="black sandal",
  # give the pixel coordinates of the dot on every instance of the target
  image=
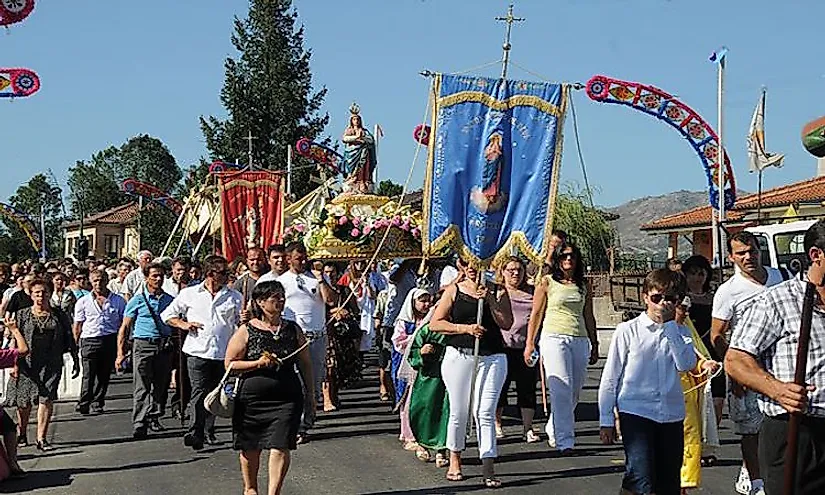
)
(455, 476)
(492, 482)
(708, 461)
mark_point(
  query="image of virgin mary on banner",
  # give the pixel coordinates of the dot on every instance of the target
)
(493, 168)
(252, 204)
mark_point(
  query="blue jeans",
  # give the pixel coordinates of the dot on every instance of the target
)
(653, 455)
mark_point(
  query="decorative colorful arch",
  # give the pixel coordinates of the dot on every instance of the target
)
(23, 222)
(319, 153)
(653, 101)
(12, 11)
(135, 187)
(18, 83)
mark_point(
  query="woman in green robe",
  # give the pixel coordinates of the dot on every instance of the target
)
(429, 403)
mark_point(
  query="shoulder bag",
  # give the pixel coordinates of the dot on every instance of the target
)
(221, 401)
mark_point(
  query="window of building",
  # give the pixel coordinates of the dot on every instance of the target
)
(111, 245)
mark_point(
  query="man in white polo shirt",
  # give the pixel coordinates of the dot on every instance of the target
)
(210, 313)
(307, 298)
(730, 303)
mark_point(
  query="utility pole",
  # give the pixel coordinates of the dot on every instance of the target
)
(509, 19)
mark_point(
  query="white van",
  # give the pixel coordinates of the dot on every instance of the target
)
(781, 243)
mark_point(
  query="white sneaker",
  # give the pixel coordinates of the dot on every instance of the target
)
(743, 484)
(758, 491)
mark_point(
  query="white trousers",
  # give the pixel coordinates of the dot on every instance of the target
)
(457, 372)
(565, 360)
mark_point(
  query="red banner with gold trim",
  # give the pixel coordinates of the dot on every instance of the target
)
(252, 205)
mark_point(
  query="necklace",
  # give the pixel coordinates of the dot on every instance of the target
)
(40, 320)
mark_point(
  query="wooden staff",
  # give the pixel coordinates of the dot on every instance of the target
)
(543, 387)
(182, 379)
(791, 449)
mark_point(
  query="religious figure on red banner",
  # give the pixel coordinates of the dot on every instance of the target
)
(251, 227)
(359, 154)
(251, 209)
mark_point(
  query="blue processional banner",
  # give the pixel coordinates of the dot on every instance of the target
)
(493, 167)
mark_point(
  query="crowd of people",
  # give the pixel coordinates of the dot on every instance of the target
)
(450, 340)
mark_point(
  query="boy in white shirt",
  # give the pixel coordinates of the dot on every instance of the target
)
(641, 380)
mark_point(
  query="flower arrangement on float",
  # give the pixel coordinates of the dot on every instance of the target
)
(358, 224)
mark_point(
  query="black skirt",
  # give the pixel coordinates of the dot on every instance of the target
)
(268, 410)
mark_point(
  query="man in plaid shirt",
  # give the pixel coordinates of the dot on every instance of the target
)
(762, 357)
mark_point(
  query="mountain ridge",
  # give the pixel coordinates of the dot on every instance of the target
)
(639, 211)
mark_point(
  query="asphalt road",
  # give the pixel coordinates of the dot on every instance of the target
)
(353, 451)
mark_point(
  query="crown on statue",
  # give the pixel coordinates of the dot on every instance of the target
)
(354, 109)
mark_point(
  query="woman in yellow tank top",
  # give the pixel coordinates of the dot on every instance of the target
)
(563, 309)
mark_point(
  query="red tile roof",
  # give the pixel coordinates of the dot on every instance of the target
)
(119, 215)
(806, 191)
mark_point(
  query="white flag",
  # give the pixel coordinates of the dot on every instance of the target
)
(758, 158)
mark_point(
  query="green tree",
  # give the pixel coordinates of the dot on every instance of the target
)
(588, 227)
(148, 160)
(389, 188)
(96, 184)
(267, 92)
(14, 245)
(36, 196)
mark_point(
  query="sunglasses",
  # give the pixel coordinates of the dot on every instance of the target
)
(567, 256)
(657, 298)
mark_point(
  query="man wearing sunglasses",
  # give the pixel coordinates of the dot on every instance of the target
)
(641, 380)
(209, 313)
(307, 298)
(730, 303)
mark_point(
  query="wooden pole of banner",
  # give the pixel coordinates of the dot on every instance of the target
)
(289, 172)
(792, 445)
(479, 314)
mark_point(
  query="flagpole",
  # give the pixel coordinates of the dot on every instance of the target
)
(762, 102)
(759, 199)
(721, 157)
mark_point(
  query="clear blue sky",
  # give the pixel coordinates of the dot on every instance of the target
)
(114, 69)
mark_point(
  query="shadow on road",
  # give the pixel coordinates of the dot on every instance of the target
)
(121, 439)
(474, 484)
(52, 478)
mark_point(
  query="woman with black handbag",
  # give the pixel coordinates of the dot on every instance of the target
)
(270, 399)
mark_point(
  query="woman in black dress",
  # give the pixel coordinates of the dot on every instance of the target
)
(47, 332)
(270, 401)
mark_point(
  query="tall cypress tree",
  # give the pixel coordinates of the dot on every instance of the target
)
(268, 92)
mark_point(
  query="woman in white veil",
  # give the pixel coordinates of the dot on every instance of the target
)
(414, 313)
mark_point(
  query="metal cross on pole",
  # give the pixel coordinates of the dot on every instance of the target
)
(250, 138)
(509, 19)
